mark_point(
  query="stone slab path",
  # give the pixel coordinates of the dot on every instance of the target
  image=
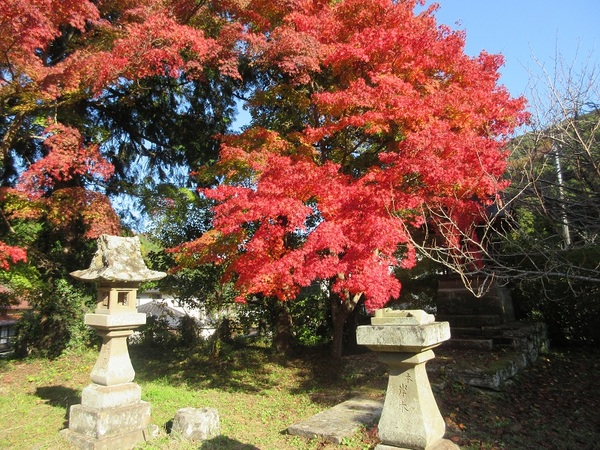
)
(340, 421)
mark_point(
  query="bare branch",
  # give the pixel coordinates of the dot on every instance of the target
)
(546, 225)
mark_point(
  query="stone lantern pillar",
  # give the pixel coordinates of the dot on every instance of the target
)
(111, 414)
(410, 418)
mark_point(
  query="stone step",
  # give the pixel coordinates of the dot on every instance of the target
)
(341, 421)
(482, 338)
(504, 342)
(471, 344)
(493, 332)
(470, 321)
(467, 332)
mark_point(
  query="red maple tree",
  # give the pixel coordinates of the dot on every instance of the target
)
(365, 114)
(395, 117)
(53, 53)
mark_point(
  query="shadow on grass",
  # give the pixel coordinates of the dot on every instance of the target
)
(59, 396)
(241, 370)
(254, 369)
(225, 443)
(330, 381)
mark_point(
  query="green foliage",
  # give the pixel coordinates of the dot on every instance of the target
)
(570, 310)
(178, 215)
(21, 279)
(419, 285)
(157, 333)
(556, 286)
(311, 317)
(309, 314)
(188, 331)
(56, 321)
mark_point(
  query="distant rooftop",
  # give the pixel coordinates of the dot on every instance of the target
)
(159, 309)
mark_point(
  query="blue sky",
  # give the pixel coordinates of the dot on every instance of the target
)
(525, 30)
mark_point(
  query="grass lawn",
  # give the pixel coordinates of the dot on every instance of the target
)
(553, 405)
(258, 395)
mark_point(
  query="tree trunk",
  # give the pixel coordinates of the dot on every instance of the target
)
(340, 311)
(222, 334)
(351, 325)
(282, 341)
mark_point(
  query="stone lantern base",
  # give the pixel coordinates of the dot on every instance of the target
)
(410, 418)
(109, 417)
(443, 444)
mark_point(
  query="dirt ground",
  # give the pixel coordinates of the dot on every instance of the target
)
(553, 404)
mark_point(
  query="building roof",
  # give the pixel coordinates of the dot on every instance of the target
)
(160, 309)
(8, 319)
(10, 314)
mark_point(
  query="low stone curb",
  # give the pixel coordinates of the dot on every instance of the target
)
(341, 421)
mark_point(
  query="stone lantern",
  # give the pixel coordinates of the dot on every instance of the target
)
(111, 414)
(410, 418)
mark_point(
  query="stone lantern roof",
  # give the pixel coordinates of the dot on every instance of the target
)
(118, 259)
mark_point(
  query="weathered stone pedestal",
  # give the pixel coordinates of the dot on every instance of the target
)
(116, 427)
(410, 418)
(112, 415)
(196, 424)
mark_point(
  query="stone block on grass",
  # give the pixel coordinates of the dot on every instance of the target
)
(196, 424)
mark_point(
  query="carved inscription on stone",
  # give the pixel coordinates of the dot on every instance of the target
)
(403, 389)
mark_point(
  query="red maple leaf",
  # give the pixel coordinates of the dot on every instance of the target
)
(377, 80)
